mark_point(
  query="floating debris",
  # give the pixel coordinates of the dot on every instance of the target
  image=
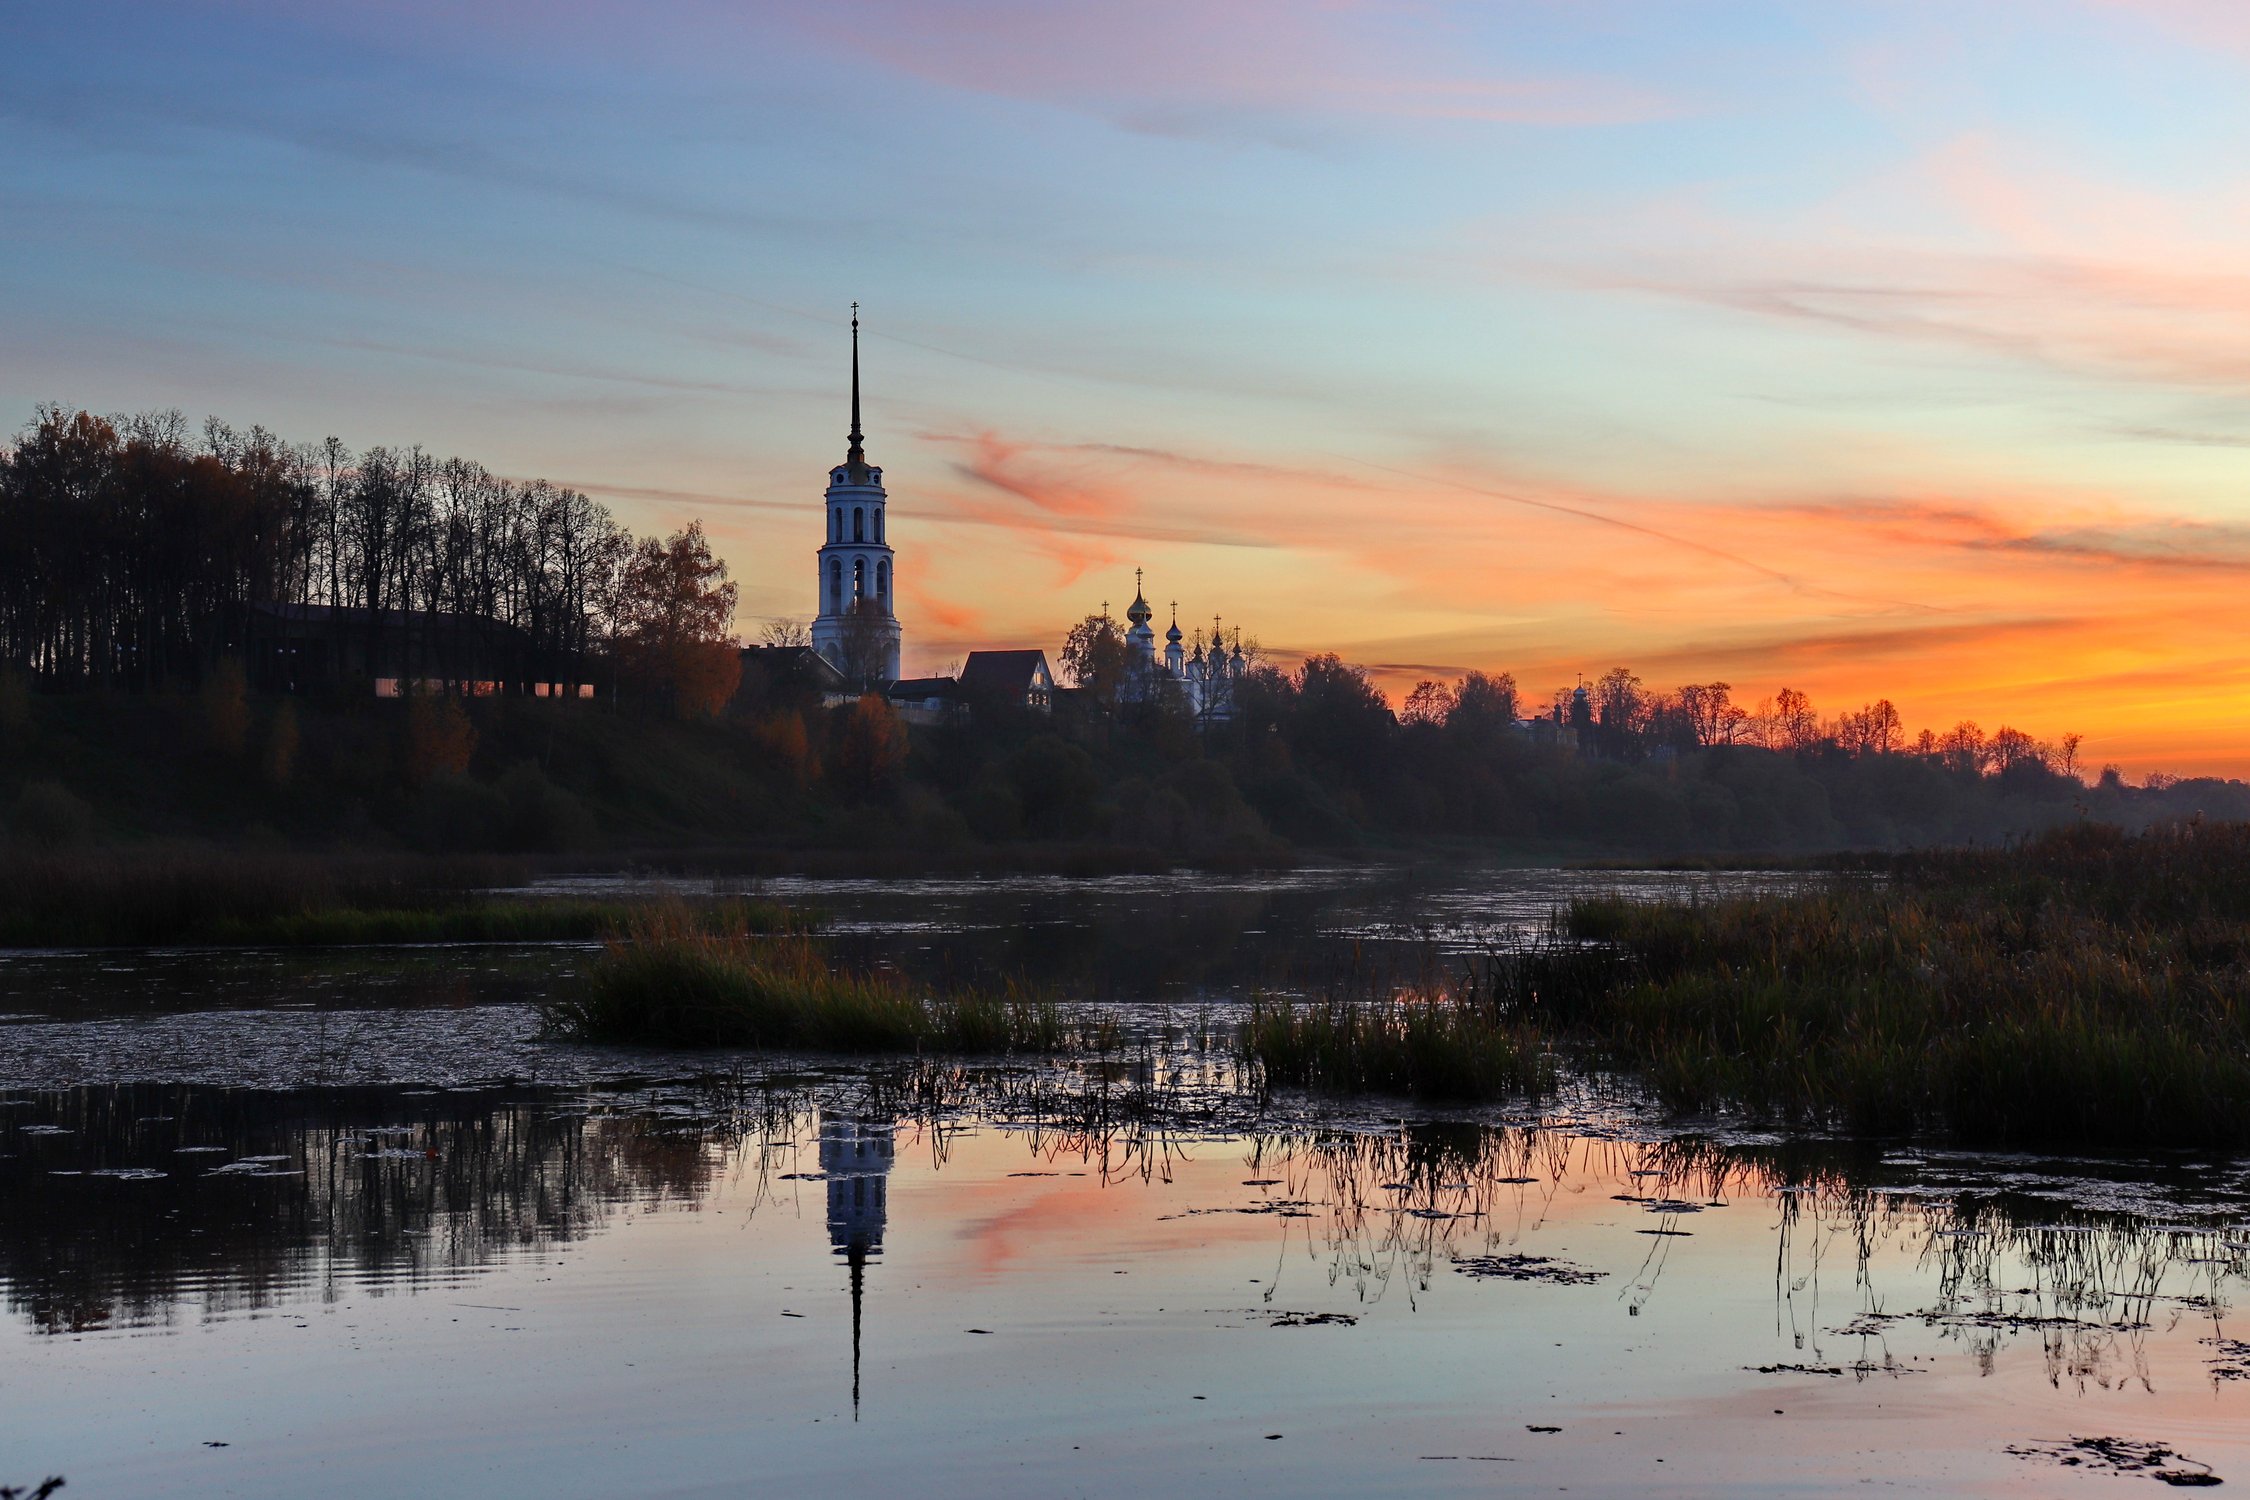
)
(1312, 1320)
(2121, 1456)
(2232, 1362)
(1526, 1268)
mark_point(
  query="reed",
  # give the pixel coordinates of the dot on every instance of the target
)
(2086, 988)
(1429, 1042)
(669, 979)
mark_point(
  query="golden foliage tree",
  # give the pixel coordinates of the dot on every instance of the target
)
(674, 620)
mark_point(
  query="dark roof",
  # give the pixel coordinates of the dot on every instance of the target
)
(922, 687)
(357, 617)
(1002, 671)
(795, 661)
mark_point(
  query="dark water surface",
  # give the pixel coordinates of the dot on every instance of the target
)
(280, 1226)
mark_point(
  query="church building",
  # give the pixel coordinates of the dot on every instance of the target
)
(857, 627)
(1203, 681)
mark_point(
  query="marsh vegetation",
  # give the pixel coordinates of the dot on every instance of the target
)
(671, 977)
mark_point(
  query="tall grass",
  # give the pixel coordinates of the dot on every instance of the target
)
(1426, 1042)
(2087, 988)
(671, 980)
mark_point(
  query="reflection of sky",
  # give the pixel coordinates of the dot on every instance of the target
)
(702, 1335)
(1869, 348)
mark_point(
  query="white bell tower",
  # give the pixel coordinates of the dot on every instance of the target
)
(856, 627)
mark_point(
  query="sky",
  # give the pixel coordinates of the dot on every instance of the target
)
(1873, 348)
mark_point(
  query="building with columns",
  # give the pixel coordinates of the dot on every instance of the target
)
(856, 629)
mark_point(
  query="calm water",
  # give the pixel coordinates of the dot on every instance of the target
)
(351, 1228)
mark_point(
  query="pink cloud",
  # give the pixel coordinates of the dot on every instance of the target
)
(1182, 66)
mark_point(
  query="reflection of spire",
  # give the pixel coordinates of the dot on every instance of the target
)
(855, 1157)
(859, 1285)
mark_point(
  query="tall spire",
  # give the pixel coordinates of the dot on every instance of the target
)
(856, 456)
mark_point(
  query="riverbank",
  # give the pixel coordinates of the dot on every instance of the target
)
(207, 898)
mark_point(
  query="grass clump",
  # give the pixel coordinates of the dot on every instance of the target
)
(1429, 1043)
(2086, 988)
(670, 980)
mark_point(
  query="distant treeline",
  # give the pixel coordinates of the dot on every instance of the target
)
(138, 556)
(1317, 755)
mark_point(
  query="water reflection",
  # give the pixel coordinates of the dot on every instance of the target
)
(855, 1157)
(151, 1206)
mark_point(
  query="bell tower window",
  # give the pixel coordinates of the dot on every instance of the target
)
(859, 523)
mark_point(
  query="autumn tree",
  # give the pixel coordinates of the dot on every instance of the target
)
(1795, 724)
(864, 648)
(674, 613)
(1619, 707)
(1430, 704)
(1711, 715)
(1093, 657)
(1873, 730)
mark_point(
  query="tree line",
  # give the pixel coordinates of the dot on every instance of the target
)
(1619, 717)
(140, 556)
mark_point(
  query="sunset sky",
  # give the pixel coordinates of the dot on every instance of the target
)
(1865, 348)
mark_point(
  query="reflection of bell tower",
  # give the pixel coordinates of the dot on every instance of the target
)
(855, 1157)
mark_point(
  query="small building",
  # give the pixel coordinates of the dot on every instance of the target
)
(925, 700)
(788, 677)
(297, 648)
(1018, 679)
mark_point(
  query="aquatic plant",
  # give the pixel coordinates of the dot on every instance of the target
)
(669, 978)
(1433, 1042)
